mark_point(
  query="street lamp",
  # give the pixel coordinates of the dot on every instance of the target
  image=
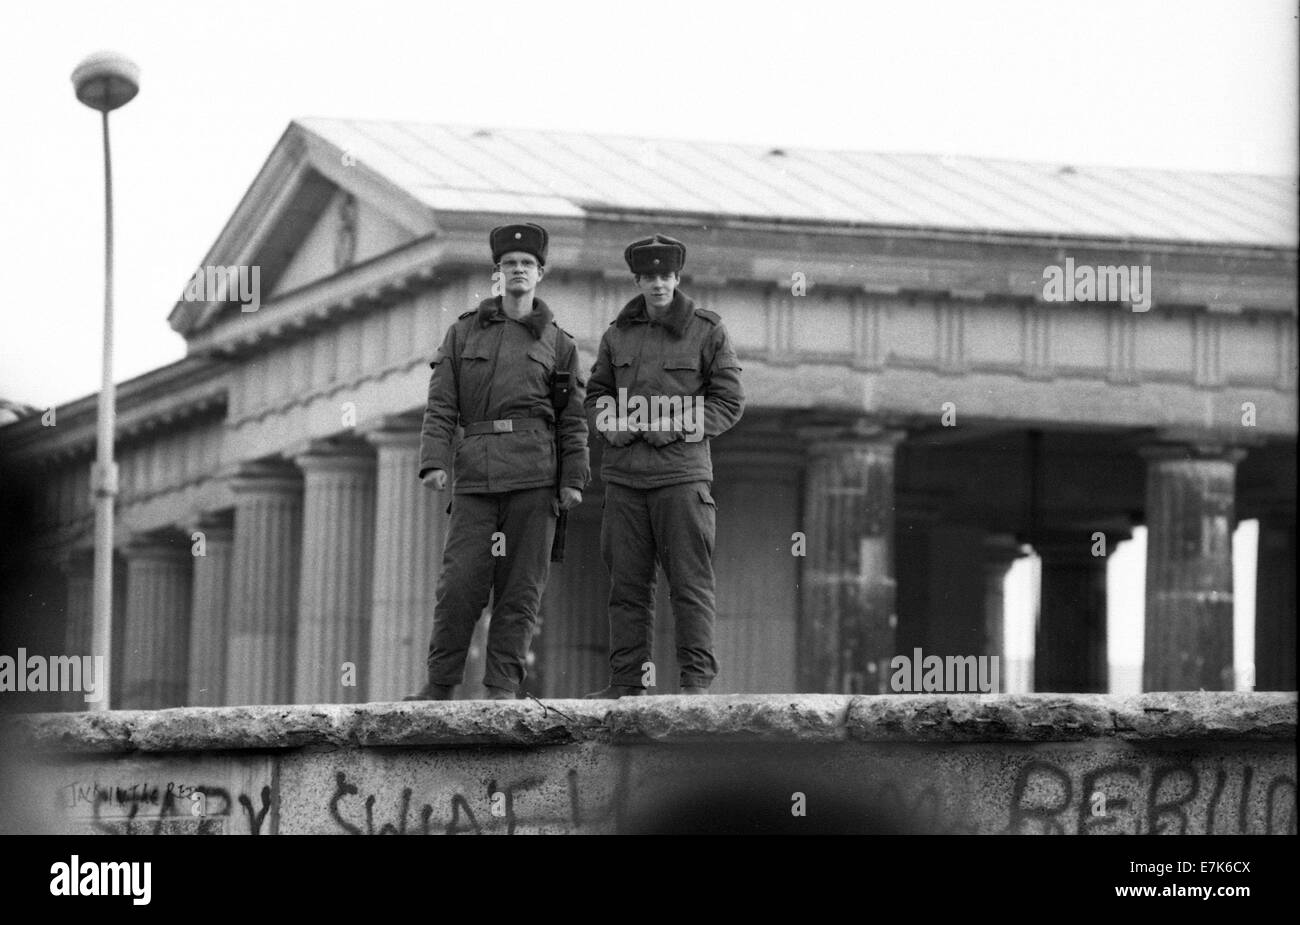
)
(105, 81)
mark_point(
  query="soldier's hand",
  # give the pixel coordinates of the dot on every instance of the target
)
(618, 436)
(435, 478)
(569, 498)
(661, 436)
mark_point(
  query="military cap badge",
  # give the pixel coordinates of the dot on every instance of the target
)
(529, 238)
(655, 254)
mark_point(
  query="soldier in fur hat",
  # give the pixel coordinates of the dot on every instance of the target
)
(493, 377)
(666, 381)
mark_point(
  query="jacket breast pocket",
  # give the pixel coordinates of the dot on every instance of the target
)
(681, 375)
(472, 381)
(540, 367)
(623, 366)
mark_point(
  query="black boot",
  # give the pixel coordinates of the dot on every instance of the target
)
(614, 691)
(499, 693)
(694, 690)
(432, 691)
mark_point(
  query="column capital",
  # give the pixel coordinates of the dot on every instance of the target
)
(274, 477)
(1173, 447)
(849, 435)
(336, 456)
(219, 525)
(399, 429)
(1002, 549)
(1075, 544)
(410, 439)
(146, 547)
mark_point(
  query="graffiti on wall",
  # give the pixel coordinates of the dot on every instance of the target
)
(1170, 798)
(458, 816)
(166, 808)
(1132, 796)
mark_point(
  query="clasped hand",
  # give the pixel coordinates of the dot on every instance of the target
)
(658, 437)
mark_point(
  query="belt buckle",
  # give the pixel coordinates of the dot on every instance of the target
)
(503, 427)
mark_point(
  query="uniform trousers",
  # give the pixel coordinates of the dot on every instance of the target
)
(674, 526)
(512, 567)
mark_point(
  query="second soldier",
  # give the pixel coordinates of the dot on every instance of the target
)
(666, 381)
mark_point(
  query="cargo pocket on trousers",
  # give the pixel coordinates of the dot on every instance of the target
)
(708, 522)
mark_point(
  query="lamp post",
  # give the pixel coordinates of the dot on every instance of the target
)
(105, 81)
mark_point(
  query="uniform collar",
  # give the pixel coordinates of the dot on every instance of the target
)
(679, 313)
(490, 310)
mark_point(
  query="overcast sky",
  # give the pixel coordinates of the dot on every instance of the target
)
(1187, 85)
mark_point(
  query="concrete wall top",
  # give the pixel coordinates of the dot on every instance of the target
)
(794, 718)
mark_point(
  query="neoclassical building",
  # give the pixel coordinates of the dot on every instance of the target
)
(919, 415)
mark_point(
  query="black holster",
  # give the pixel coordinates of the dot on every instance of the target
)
(561, 389)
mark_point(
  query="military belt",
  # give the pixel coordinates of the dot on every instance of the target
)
(505, 426)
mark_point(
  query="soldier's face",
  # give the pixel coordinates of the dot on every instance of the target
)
(658, 288)
(520, 272)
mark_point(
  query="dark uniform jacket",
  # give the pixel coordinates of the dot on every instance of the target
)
(688, 354)
(492, 367)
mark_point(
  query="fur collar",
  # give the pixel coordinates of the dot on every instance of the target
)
(679, 313)
(490, 310)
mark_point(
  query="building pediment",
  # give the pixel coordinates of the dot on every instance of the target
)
(348, 231)
(312, 212)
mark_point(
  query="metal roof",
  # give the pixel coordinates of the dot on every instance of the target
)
(545, 173)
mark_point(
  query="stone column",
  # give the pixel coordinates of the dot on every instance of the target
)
(1070, 646)
(337, 560)
(118, 658)
(1190, 500)
(955, 623)
(78, 572)
(915, 516)
(410, 530)
(847, 620)
(1275, 604)
(209, 612)
(262, 619)
(1000, 551)
(156, 646)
